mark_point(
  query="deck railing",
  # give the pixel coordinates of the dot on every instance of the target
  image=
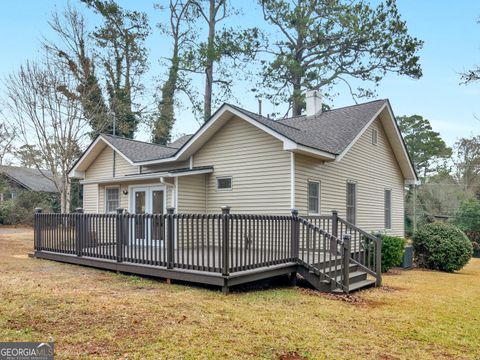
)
(220, 243)
(365, 249)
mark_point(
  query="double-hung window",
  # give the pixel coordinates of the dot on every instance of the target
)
(351, 202)
(314, 197)
(112, 199)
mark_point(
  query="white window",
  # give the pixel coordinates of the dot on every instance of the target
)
(112, 199)
(351, 202)
(388, 209)
(313, 197)
(374, 136)
(224, 183)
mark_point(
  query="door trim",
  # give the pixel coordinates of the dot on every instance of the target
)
(148, 198)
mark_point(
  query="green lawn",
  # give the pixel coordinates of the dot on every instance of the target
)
(99, 314)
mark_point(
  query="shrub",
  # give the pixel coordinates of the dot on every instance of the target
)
(468, 216)
(21, 209)
(392, 251)
(441, 246)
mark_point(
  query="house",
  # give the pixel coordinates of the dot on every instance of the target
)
(352, 159)
(20, 179)
(179, 225)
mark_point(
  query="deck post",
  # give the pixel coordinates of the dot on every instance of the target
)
(79, 230)
(335, 223)
(295, 246)
(120, 235)
(378, 260)
(225, 240)
(170, 237)
(347, 250)
(38, 231)
(333, 244)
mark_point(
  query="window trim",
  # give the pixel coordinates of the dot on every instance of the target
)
(224, 177)
(318, 198)
(105, 198)
(374, 136)
(389, 227)
(355, 201)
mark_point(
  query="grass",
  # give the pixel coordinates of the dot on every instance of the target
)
(99, 314)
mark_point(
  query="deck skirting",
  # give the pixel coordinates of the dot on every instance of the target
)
(195, 276)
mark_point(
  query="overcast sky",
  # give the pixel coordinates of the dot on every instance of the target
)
(449, 29)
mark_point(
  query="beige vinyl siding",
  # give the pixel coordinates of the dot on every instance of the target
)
(258, 165)
(191, 194)
(102, 167)
(373, 167)
(123, 167)
(166, 167)
(90, 192)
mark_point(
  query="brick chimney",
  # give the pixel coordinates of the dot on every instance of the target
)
(313, 99)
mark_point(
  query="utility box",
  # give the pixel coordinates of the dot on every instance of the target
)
(407, 262)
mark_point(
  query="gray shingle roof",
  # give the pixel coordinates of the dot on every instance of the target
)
(32, 179)
(138, 151)
(331, 131)
(177, 144)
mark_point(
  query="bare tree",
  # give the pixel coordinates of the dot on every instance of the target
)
(180, 30)
(73, 49)
(7, 137)
(47, 120)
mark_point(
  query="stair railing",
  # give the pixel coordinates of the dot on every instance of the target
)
(366, 249)
(358, 246)
(322, 253)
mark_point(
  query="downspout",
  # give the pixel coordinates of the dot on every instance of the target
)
(172, 188)
(292, 180)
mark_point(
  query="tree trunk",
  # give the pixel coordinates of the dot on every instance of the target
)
(207, 107)
(297, 97)
(65, 197)
(166, 119)
(296, 102)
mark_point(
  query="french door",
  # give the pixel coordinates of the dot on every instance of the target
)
(147, 200)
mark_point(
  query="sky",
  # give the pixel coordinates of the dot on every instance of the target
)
(449, 29)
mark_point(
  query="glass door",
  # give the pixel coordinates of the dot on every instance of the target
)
(157, 207)
(147, 200)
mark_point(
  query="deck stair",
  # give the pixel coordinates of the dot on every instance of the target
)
(342, 262)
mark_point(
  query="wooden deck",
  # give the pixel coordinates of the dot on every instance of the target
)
(223, 249)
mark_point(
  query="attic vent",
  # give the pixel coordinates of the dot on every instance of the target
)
(374, 137)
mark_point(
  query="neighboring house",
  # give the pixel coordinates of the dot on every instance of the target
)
(351, 159)
(20, 179)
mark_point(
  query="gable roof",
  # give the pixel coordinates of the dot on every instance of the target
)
(31, 179)
(331, 131)
(137, 151)
(328, 135)
(182, 140)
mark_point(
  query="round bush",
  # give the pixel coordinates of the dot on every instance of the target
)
(392, 251)
(441, 246)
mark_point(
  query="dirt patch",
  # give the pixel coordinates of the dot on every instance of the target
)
(350, 298)
(291, 356)
(394, 272)
(7, 230)
(389, 289)
(21, 256)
